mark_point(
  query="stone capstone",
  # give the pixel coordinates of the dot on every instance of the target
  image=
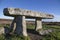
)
(23, 12)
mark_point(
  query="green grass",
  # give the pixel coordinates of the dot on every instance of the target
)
(52, 36)
(13, 37)
(55, 35)
(51, 26)
(30, 26)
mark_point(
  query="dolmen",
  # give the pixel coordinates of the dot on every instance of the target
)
(18, 25)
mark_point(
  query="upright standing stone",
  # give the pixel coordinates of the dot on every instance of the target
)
(21, 25)
(13, 26)
(38, 24)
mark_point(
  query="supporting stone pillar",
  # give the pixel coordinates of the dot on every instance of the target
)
(38, 24)
(13, 25)
(21, 26)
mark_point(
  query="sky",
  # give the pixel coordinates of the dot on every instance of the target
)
(46, 6)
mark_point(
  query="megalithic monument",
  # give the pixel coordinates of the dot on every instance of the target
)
(19, 23)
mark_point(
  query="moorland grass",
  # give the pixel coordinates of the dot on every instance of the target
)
(55, 35)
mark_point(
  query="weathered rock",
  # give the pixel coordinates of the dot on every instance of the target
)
(21, 25)
(4, 30)
(38, 24)
(22, 12)
(19, 21)
(1, 30)
(45, 32)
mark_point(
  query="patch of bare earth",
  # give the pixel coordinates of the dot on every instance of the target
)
(34, 35)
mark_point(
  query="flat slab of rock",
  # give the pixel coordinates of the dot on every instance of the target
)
(28, 13)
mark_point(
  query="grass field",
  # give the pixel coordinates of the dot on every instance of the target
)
(55, 35)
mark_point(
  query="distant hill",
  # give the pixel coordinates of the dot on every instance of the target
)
(9, 21)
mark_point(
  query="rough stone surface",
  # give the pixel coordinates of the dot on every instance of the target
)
(1, 30)
(17, 11)
(45, 32)
(38, 24)
(13, 25)
(21, 25)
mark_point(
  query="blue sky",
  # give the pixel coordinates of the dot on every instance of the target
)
(47, 6)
